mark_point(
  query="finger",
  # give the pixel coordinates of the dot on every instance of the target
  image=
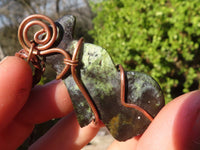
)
(176, 127)
(15, 85)
(130, 144)
(46, 102)
(14, 135)
(66, 134)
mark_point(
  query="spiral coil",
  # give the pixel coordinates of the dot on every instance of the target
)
(40, 47)
(42, 44)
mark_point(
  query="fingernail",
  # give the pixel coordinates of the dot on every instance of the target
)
(3, 60)
(196, 129)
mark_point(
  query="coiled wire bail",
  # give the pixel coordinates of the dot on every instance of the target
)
(40, 47)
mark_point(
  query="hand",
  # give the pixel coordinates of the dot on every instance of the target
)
(176, 127)
(22, 107)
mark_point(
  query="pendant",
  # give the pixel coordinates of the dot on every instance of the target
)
(126, 102)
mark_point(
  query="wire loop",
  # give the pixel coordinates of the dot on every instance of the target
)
(43, 44)
(39, 46)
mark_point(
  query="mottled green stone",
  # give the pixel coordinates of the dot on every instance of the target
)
(102, 81)
(97, 72)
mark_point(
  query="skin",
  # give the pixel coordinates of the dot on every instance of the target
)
(176, 127)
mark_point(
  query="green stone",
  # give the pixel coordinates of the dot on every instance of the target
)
(101, 79)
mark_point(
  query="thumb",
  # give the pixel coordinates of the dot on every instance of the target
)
(176, 127)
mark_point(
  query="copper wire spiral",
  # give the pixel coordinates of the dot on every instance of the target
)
(38, 46)
(42, 44)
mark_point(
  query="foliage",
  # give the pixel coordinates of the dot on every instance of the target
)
(158, 37)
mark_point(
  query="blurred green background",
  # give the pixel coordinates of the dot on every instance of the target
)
(158, 37)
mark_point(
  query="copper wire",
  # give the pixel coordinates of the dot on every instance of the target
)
(30, 52)
(145, 113)
(40, 47)
(43, 44)
(81, 87)
(38, 64)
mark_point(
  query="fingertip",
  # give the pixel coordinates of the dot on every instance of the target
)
(63, 100)
(95, 125)
(15, 67)
(172, 127)
(16, 81)
(16, 74)
(130, 144)
(186, 131)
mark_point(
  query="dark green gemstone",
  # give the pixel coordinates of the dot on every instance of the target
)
(101, 79)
